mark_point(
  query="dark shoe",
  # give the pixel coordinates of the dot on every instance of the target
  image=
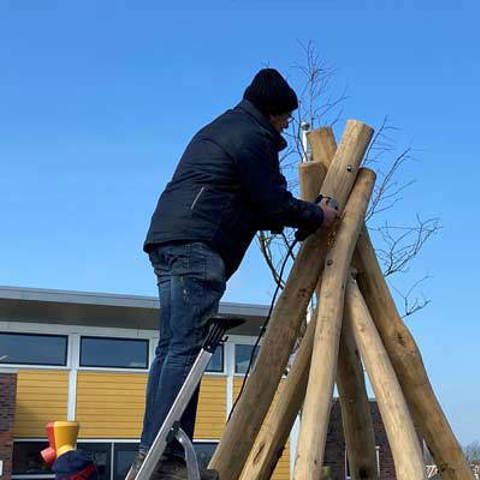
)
(137, 463)
(171, 468)
(175, 468)
(209, 475)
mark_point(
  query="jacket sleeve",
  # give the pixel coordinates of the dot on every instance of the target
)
(266, 189)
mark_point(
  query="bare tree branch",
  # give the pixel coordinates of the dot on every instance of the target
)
(387, 190)
(398, 246)
(472, 452)
(264, 242)
(316, 100)
(401, 244)
(412, 306)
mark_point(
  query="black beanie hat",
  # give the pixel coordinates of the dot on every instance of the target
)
(271, 93)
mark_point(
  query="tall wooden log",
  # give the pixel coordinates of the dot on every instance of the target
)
(324, 146)
(403, 440)
(311, 176)
(281, 333)
(406, 359)
(278, 423)
(317, 402)
(356, 416)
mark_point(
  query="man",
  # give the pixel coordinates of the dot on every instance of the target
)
(226, 187)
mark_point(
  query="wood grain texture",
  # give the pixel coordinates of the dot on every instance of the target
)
(316, 409)
(356, 416)
(402, 437)
(246, 420)
(280, 418)
(284, 409)
(406, 359)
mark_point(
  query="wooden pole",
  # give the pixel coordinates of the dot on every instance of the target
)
(406, 359)
(404, 354)
(246, 420)
(311, 175)
(317, 402)
(277, 425)
(356, 415)
(402, 437)
(324, 146)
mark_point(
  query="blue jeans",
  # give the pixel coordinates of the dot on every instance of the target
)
(191, 281)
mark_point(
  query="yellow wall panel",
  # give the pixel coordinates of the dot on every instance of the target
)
(212, 408)
(110, 404)
(237, 385)
(282, 470)
(42, 397)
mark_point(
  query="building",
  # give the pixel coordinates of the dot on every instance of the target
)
(85, 356)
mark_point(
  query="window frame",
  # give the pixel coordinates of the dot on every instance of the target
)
(204, 440)
(222, 371)
(145, 341)
(239, 344)
(81, 443)
(65, 337)
(108, 443)
(42, 443)
(115, 445)
(111, 445)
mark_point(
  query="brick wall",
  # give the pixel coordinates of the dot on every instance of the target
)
(335, 444)
(8, 385)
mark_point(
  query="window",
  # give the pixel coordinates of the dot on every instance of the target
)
(216, 362)
(123, 455)
(242, 357)
(27, 459)
(33, 349)
(204, 451)
(113, 352)
(27, 462)
(101, 456)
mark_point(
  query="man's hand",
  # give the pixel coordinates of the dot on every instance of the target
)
(330, 212)
(330, 215)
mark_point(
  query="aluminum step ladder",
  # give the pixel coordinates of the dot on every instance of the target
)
(170, 429)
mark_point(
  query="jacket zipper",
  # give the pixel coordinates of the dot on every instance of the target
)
(195, 200)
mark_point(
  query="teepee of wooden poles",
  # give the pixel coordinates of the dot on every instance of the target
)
(356, 325)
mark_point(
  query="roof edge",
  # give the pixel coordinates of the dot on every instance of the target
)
(113, 299)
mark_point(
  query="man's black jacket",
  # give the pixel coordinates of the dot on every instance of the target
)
(227, 186)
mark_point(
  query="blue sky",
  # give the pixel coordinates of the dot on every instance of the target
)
(98, 99)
